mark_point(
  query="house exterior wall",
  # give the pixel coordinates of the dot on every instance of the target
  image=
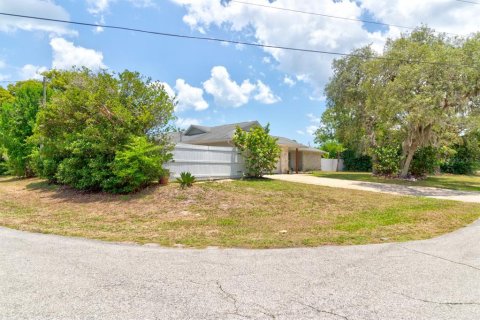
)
(311, 161)
(282, 164)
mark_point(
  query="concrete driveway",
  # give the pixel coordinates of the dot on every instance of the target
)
(53, 277)
(437, 193)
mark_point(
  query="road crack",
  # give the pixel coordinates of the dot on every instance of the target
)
(233, 300)
(321, 311)
(439, 257)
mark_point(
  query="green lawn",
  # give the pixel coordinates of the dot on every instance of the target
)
(447, 181)
(249, 214)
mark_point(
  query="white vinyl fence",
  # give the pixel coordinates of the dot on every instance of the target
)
(206, 162)
(331, 165)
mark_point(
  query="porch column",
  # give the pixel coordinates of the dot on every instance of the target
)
(296, 160)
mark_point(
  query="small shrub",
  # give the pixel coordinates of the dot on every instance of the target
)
(387, 161)
(462, 162)
(259, 149)
(186, 179)
(3, 166)
(137, 166)
(352, 162)
(424, 162)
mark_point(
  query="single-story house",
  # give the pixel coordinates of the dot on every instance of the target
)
(294, 156)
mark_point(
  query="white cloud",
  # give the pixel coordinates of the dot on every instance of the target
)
(43, 8)
(311, 129)
(186, 122)
(67, 55)
(228, 93)
(300, 132)
(289, 81)
(314, 124)
(308, 31)
(225, 91)
(265, 94)
(30, 71)
(167, 88)
(266, 60)
(98, 7)
(189, 97)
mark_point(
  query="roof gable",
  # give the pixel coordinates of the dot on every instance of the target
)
(194, 130)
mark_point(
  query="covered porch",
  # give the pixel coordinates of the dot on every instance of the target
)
(296, 157)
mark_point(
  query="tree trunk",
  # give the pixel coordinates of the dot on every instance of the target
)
(406, 164)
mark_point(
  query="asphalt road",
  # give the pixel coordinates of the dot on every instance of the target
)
(53, 277)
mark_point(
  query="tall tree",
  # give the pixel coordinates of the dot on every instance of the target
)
(18, 113)
(97, 131)
(417, 93)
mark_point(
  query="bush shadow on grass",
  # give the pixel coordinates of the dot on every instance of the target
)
(69, 194)
(7, 179)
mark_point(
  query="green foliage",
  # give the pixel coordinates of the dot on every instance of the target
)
(3, 164)
(424, 162)
(137, 166)
(186, 180)
(333, 149)
(387, 161)
(95, 132)
(18, 111)
(356, 163)
(463, 161)
(259, 149)
(393, 101)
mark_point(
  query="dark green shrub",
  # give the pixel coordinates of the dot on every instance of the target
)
(3, 165)
(352, 162)
(462, 162)
(137, 166)
(424, 162)
(387, 161)
(186, 180)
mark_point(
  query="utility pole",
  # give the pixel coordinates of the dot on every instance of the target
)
(44, 91)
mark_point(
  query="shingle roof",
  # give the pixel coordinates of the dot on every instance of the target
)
(224, 133)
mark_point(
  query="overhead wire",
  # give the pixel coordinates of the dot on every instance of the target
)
(221, 40)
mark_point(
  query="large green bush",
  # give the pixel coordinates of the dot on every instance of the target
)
(18, 112)
(137, 165)
(463, 161)
(387, 160)
(354, 162)
(96, 131)
(259, 149)
(424, 162)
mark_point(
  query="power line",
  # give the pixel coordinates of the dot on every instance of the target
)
(331, 16)
(252, 44)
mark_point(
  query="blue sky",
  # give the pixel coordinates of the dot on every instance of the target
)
(215, 83)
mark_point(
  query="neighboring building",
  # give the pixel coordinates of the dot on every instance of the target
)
(294, 156)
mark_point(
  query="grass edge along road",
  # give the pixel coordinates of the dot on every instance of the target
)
(240, 213)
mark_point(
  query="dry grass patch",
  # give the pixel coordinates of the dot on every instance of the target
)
(230, 214)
